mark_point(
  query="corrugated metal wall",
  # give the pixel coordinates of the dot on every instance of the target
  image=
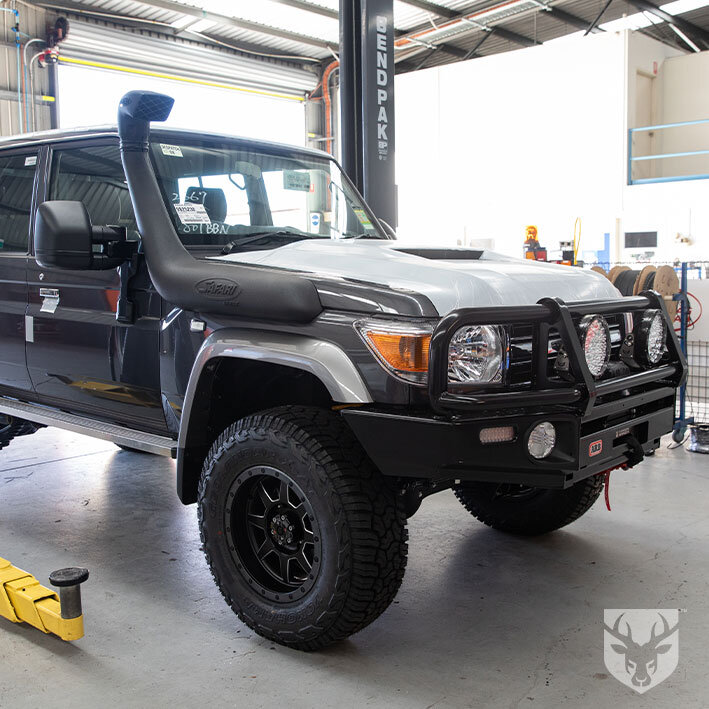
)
(140, 50)
(32, 24)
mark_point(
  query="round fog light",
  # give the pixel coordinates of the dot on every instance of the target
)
(541, 440)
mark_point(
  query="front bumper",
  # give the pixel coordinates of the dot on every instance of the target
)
(600, 424)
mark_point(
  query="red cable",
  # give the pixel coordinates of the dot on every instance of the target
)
(701, 308)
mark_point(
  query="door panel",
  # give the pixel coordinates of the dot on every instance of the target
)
(17, 184)
(80, 354)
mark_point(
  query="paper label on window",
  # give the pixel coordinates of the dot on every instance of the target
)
(174, 151)
(192, 213)
(296, 180)
(363, 218)
(30, 160)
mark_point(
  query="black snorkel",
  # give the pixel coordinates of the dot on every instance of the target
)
(180, 279)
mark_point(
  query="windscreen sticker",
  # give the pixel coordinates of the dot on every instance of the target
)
(30, 160)
(174, 151)
(192, 213)
(296, 180)
(363, 218)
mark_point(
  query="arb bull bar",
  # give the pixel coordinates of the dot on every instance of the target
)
(600, 424)
(580, 390)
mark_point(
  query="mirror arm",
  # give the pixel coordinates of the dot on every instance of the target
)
(116, 248)
(125, 308)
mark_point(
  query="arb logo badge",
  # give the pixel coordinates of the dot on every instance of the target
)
(641, 646)
(595, 448)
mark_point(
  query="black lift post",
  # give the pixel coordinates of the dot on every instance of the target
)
(367, 101)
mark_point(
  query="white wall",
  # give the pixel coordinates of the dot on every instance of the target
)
(684, 81)
(535, 136)
(539, 136)
(676, 210)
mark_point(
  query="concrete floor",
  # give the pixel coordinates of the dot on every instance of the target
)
(482, 619)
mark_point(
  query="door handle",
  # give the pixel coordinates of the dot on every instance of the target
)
(50, 300)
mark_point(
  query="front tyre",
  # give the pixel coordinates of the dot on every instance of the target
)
(528, 511)
(304, 537)
(11, 428)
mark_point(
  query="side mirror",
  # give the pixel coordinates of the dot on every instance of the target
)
(64, 238)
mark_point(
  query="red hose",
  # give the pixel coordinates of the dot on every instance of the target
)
(328, 104)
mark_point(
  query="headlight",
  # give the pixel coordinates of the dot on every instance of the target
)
(402, 348)
(596, 342)
(651, 335)
(477, 353)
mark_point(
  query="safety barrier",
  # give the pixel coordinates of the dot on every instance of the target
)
(635, 161)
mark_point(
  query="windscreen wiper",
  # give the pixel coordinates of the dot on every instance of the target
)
(281, 233)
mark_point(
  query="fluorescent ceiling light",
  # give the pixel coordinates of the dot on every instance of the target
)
(684, 38)
(680, 6)
(201, 25)
(500, 10)
(180, 22)
(631, 22)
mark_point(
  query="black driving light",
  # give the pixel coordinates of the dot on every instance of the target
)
(596, 342)
(650, 335)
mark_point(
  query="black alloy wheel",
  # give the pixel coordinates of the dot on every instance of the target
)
(273, 533)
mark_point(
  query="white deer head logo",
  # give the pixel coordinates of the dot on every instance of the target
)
(640, 659)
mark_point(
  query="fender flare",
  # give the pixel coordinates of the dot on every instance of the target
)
(325, 360)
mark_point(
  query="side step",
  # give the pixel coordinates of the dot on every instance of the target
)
(148, 442)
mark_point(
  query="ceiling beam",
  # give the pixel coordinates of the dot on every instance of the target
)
(433, 8)
(422, 62)
(597, 18)
(473, 52)
(696, 33)
(310, 7)
(462, 54)
(569, 19)
(455, 15)
(515, 37)
(225, 20)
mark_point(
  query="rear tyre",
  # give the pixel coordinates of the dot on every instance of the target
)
(528, 511)
(304, 537)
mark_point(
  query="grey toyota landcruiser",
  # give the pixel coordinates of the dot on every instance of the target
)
(237, 306)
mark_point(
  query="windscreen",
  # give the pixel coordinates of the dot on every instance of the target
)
(237, 196)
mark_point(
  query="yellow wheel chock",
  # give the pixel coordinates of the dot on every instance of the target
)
(24, 599)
